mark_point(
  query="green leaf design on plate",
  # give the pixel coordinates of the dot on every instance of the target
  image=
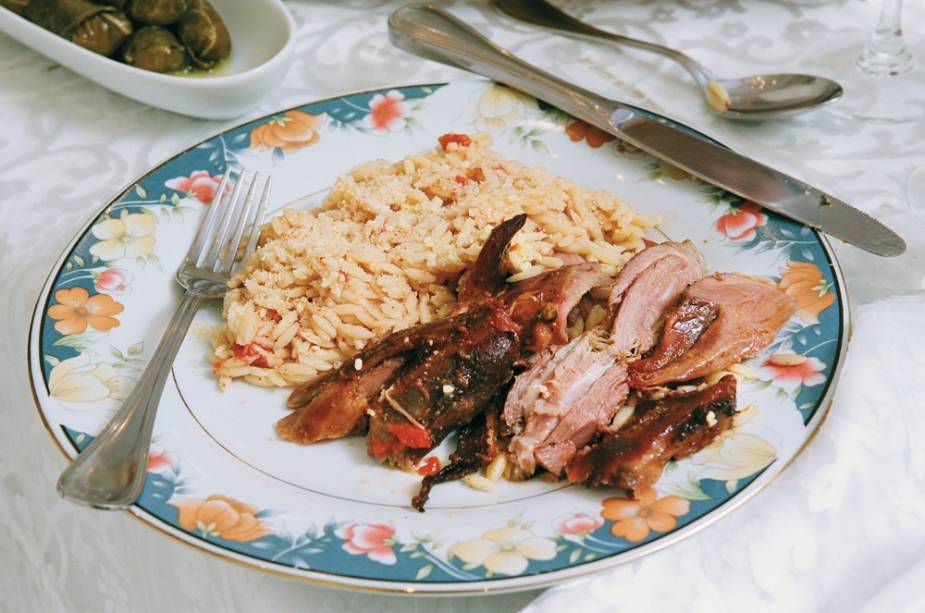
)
(690, 490)
(423, 572)
(81, 342)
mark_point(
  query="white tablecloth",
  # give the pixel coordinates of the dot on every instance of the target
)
(844, 521)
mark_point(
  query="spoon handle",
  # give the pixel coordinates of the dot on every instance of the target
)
(542, 13)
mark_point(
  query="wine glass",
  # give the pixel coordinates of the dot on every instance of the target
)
(881, 73)
(886, 53)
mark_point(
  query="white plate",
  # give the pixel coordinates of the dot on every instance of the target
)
(262, 43)
(220, 479)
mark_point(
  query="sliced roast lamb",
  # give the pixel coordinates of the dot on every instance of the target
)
(555, 389)
(590, 414)
(669, 428)
(569, 394)
(542, 303)
(722, 319)
(639, 306)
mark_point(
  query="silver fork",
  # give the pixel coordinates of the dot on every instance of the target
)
(110, 472)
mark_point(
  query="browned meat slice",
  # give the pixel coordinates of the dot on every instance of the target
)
(671, 428)
(339, 409)
(749, 313)
(444, 389)
(476, 447)
(589, 415)
(649, 256)
(639, 309)
(334, 405)
(542, 303)
(526, 388)
(486, 276)
(561, 383)
(567, 396)
(683, 327)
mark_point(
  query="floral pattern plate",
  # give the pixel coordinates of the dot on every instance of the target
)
(219, 479)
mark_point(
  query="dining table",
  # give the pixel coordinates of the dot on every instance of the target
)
(842, 529)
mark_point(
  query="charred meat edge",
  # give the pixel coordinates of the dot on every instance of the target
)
(670, 428)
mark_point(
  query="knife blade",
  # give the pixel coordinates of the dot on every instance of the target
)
(435, 34)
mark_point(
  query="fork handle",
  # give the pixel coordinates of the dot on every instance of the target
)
(110, 472)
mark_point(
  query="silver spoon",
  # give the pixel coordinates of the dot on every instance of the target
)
(751, 98)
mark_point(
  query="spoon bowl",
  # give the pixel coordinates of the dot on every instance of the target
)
(764, 96)
(753, 98)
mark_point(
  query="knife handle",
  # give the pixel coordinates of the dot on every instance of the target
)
(435, 34)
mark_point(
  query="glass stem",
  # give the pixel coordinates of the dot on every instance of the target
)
(886, 52)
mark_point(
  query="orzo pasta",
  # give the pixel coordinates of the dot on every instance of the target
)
(386, 251)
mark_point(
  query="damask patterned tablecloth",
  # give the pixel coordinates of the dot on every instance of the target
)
(848, 517)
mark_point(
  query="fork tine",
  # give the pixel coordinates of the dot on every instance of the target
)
(229, 251)
(205, 226)
(218, 237)
(254, 229)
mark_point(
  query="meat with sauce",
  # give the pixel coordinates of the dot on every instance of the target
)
(476, 447)
(444, 389)
(722, 319)
(571, 393)
(335, 404)
(662, 429)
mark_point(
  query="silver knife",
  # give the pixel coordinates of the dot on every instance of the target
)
(435, 34)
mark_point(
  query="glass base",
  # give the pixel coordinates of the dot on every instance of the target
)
(876, 88)
(880, 64)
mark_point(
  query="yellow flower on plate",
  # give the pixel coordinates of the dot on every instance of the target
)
(507, 551)
(77, 380)
(733, 457)
(499, 106)
(130, 236)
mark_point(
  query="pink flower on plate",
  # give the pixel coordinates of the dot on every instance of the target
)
(112, 280)
(790, 370)
(740, 224)
(578, 524)
(158, 460)
(373, 540)
(200, 185)
(387, 113)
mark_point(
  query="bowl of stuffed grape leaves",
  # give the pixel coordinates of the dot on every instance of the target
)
(149, 49)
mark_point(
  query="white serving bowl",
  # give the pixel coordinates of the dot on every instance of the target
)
(262, 43)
